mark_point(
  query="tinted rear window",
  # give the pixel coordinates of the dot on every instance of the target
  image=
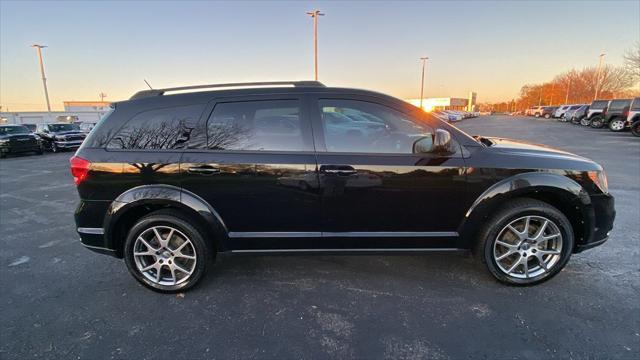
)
(600, 104)
(160, 129)
(619, 104)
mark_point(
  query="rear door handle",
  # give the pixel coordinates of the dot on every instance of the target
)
(340, 170)
(204, 170)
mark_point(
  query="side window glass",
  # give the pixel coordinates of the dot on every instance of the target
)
(365, 127)
(264, 125)
(161, 129)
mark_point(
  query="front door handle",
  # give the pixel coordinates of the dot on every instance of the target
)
(340, 170)
(204, 170)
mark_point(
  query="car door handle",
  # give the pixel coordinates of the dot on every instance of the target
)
(203, 170)
(338, 170)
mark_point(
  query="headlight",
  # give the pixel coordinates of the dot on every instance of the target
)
(3, 141)
(600, 179)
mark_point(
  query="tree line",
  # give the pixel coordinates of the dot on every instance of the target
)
(579, 86)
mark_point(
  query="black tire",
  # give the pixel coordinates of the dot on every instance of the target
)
(635, 128)
(3, 154)
(40, 150)
(537, 115)
(617, 124)
(547, 116)
(597, 122)
(509, 212)
(585, 122)
(203, 252)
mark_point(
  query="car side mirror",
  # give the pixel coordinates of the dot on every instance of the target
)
(442, 143)
(423, 145)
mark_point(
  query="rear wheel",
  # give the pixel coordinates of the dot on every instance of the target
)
(166, 252)
(597, 122)
(526, 242)
(585, 122)
(635, 128)
(616, 125)
(547, 116)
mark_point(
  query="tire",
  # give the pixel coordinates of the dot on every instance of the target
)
(537, 115)
(175, 272)
(40, 151)
(489, 249)
(585, 122)
(616, 125)
(547, 116)
(597, 122)
(635, 128)
(54, 147)
(3, 154)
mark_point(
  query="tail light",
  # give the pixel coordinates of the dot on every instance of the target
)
(79, 169)
(625, 113)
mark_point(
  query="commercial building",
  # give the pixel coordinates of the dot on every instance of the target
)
(447, 103)
(75, 111)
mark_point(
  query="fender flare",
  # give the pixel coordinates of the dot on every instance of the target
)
(521, 185)
(162, 194)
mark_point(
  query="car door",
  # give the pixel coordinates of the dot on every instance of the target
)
(374, 185)
(256, 167)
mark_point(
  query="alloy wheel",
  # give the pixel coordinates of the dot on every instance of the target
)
(528, 247)
(617, 125)
(164, 255)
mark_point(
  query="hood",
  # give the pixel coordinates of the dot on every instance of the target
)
(518, 147)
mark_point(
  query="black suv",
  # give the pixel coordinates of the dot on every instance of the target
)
(60, 136)
(168, 181)
(615, 115)
(18, 139)
(596, 109)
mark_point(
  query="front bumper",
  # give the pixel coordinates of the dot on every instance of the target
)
(68, 144)
(601, 217)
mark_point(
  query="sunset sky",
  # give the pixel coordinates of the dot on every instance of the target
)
(492, 48)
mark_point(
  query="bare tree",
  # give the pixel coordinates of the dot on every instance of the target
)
(632, 61)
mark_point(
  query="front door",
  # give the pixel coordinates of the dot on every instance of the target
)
(257, 169)
(374, 186)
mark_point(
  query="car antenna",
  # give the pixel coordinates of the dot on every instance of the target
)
(146, 82)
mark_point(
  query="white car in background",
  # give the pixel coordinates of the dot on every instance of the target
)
(561, 111)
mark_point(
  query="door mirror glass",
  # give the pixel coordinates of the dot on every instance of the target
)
(439, 143)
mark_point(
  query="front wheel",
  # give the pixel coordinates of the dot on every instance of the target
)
(547, 116)
(526, 242)
(616, 125)
(166, 252)
(597, 122)
(585, 122)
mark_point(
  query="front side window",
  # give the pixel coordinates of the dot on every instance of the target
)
(365, 127)
(160, 129)
(262, 125)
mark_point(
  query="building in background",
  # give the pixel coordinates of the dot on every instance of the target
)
(75, 111)
(447, 103)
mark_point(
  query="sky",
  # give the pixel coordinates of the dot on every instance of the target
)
(490, 47)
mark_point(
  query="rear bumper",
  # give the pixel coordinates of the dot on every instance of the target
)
(601, 217)
(88, 216)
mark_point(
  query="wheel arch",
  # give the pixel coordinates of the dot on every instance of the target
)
(556, 190)
(137, 202)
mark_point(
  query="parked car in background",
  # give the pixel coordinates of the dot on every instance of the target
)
(569, 113)
(31, 127)
(596, 108)
(167, 181)
(60, 136)
(86, 127)
(547, 111)
(635, 127)
(614, 116)
(634, 115)
(535, 111)
(560, 111)
(579, 114)
(18, 139)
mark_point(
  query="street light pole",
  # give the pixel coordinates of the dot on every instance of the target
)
(595, 97)
(424, 64)
(314, 14)
(44, 79)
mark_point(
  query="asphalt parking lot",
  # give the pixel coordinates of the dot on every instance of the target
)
(61, 301)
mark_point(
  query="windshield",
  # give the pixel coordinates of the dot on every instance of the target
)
(63, 127)
(10, 130)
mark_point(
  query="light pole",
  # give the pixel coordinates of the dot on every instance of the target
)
(566, 98)
(44, 79)
(314, 14)
(595, 97)
(102, 96)
(424, 64)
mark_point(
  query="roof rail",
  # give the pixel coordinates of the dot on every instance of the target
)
(160, 92)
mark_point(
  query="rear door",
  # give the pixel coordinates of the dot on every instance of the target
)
(372, 183)
(256, 166)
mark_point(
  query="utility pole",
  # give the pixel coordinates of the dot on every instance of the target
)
(566, 98)
(424, 63)
(44, 79)
(553, 87)
(314, 14)
(595, 97)
(540, 99)
(102, 96)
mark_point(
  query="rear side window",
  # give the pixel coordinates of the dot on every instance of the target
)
(618, 104)
(263, 125)
(599, 104)
(160, 129)
(636, 104)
